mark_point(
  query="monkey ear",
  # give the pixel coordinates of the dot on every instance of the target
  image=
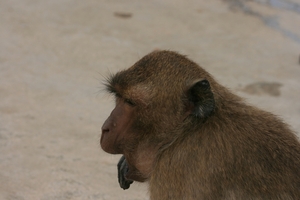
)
(201, 98)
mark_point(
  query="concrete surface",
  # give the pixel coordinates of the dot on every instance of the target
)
(54, 55)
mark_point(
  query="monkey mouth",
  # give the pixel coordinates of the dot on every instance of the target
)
(105, 135)
(104, 140)
(108, 143)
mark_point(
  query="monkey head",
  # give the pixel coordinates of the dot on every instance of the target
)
(154, 99)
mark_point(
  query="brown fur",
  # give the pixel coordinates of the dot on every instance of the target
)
(199, 145)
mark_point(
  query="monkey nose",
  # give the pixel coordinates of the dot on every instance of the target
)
(106, 127)
(105, 130)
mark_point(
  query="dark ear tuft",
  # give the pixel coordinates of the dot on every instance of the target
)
(202, 98)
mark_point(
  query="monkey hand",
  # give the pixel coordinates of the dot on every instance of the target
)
(122, 171)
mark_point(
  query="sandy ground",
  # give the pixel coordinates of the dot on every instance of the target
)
(54, 55)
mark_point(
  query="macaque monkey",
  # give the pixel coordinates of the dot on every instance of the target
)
(189, 137)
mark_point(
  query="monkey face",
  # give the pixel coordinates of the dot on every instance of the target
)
(117, 128)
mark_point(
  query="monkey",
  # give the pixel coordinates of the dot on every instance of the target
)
(189, 137)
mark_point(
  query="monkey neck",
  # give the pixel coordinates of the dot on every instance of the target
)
(141, 162)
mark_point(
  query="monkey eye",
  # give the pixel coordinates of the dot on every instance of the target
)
(129, 102)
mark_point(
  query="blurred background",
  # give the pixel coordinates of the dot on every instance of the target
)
(55, 54)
